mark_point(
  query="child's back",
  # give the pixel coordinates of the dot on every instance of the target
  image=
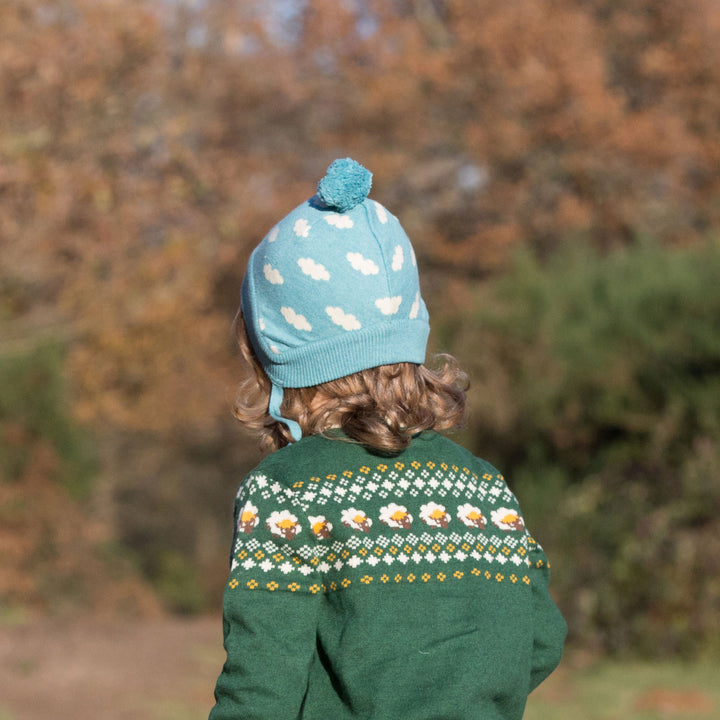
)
(366, 584)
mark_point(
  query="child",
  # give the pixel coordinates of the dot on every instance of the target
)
(379, 570)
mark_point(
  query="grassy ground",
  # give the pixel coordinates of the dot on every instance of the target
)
(604, 690)
(165, 669)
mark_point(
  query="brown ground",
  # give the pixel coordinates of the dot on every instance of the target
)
(158, 669)
(165, 668)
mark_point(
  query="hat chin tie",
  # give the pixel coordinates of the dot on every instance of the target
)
(276, 398)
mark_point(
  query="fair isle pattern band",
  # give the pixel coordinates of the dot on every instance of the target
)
(389, 523)
(379, 573)
(384, 578)
(384, 479)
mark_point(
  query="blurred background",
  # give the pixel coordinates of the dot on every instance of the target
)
(556, 164)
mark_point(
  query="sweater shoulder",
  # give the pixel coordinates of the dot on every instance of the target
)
(316, 455)
(299, 459)
(441, 446)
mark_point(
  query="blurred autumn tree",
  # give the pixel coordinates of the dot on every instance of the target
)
(145, 147)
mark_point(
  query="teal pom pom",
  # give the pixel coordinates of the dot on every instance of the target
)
(345, 185)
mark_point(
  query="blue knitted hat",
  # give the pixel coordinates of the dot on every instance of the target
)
(333, 289)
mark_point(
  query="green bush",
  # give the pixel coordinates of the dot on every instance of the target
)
(34, 409)
(597, 390)
(176, 579)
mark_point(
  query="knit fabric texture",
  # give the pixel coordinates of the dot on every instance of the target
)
(333, 288)
(403, 588)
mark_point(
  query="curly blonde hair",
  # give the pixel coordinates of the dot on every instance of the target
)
(382, 407)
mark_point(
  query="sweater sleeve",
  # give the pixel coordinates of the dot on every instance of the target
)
(270, 607)
(550, 628)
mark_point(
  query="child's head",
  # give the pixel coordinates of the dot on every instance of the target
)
(335, 326)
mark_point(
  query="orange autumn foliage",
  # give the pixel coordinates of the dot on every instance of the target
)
(147, 147)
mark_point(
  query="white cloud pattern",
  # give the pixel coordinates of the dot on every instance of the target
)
(364, 265)
(381, 212)
(301, 228)
(272, 235)
(261, 324)
(314, 269)
(389, 305)
(415, 307)
(398, 258)
(299, 322)
(345, 320)
(272, 275)
(342, 222)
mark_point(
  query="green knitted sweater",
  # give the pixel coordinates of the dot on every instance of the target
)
(393, 588)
